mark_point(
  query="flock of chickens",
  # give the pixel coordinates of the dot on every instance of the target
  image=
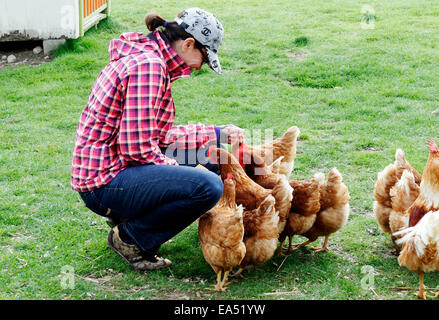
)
(407, 207)
(261, 206)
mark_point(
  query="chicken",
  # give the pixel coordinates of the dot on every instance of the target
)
(260, 235)
(420, 241)
(281, 189)
(304, 209)
(221, 233)
(262, 208)
(420, 246)
(249, 193)
(284, 146)
(334, 210)
(402, 194)
(382, 206)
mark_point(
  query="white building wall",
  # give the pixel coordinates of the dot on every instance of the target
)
(38, 19)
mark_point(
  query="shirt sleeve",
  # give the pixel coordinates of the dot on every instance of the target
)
(191, 136)
(139, 132)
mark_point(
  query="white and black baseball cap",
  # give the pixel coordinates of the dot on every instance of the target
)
(206, 29)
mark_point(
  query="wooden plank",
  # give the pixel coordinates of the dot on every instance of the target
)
(93, 19)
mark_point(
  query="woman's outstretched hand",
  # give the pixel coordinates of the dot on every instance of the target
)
(231, 134)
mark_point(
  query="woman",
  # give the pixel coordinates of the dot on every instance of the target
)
(124, 165)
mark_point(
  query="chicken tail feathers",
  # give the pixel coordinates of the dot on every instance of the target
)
(400, 158)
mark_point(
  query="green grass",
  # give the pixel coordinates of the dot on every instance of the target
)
(356, 94)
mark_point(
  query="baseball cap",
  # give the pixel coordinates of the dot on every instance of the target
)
(206, 29)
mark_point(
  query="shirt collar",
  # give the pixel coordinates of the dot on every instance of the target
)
(176, 66)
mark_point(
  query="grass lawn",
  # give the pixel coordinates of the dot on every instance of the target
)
(357, 94)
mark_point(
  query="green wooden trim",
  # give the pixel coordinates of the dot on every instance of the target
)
(108, 8)
(81, 17)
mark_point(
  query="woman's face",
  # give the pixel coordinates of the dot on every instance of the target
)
(190, 54)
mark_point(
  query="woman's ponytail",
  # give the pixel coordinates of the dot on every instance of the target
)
(171, 29)
(153, 21)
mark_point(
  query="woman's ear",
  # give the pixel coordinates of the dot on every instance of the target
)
(188, 44)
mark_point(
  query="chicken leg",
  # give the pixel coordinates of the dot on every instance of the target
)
(224, 283)
(219, 284)
(281, 249)
(421, 294)
(281, 252)
(290, 247)
(238, 273)
(324, 247)
(297, 246)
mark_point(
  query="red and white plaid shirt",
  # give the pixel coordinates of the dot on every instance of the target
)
(130, 113)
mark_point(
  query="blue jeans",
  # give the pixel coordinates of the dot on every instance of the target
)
(156, 202)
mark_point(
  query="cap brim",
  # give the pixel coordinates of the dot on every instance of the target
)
(214, 63)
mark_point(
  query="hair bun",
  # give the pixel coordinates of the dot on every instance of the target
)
(153, 21)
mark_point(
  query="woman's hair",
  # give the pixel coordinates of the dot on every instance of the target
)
(172, 30)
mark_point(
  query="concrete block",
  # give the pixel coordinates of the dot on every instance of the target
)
(51, 45)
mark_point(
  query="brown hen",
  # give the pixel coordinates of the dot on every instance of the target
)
(334, 210)
(387, 179)
(281, 189)
(261, 208)
(260, 235)
(221, 233)
(402, 194)
(304, 209)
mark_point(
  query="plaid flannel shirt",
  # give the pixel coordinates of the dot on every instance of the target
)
(130, 113)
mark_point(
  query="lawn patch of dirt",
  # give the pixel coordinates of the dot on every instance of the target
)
(23, 53)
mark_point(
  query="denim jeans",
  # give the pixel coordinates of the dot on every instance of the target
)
(156, 202)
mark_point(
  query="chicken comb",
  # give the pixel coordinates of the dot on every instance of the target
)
(432, 145)
(241, 150)
(229, 176)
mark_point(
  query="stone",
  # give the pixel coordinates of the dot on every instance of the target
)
(4, 57)
(37, 50)
(12, 59)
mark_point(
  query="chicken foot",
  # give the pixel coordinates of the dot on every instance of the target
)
(282, 250)
(221, 284)
(324, 247)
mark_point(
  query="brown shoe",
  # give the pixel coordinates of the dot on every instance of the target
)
(132, 254)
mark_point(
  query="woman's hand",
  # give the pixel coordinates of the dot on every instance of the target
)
(231, 134)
